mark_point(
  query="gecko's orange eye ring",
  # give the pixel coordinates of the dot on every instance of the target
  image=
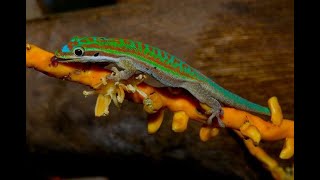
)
(79, 51)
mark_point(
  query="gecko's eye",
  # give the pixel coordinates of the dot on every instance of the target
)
(79, 51)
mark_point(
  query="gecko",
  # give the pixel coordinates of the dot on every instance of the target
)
(162, 69)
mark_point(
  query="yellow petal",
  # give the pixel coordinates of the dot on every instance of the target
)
(207, 132)
(214, 132)
(251, 131)
(114, 99)
(102, 105)
(276, 112)
(155, 121)
(288, 149)
(180, 121)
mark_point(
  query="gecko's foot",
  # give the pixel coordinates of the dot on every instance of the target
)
(115, 75)
(216, 114)
(139, 79)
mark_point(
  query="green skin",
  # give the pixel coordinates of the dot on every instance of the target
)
(162, 68)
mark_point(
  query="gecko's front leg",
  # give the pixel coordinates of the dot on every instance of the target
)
(128, 70)
(117, 75)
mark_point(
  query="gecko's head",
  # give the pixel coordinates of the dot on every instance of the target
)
(86, 49)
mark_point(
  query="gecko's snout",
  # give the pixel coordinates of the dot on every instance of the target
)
(54, 58)
(54, 61)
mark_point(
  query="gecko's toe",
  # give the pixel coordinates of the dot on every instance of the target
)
(220, 122)
(209, 121)
(221, 112)
(216, 115)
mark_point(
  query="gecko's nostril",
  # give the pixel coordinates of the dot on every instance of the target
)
(96, 54)
(54, 58)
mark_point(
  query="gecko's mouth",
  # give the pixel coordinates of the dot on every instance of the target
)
(56, 59)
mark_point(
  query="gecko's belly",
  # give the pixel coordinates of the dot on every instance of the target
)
(200, 91)
(159, 79)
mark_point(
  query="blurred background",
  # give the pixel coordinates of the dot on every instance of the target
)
(244, 45)
(37, 9)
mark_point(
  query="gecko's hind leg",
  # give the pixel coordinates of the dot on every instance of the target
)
(203, 93)
(214, 113)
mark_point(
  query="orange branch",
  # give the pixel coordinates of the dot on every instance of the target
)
(178, 101)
